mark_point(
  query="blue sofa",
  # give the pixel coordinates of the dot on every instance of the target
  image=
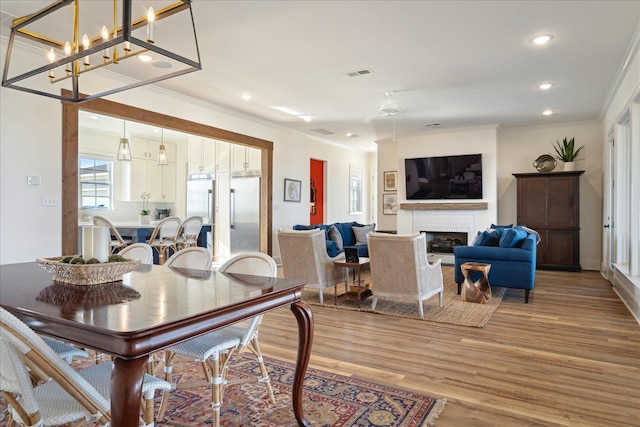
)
(346, 233)
(511, 267)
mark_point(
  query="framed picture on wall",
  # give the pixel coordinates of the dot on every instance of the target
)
(292, 190)
(390, 181)
(390, 204)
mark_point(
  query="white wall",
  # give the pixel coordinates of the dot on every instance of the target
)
(460, 141)
(387, 162)
(519, 147)
(30, 144)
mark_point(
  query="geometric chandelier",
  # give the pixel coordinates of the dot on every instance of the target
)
(107, 46)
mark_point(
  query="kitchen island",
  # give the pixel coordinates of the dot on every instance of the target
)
(134, 232)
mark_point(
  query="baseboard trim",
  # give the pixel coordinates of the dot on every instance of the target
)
(628, 289)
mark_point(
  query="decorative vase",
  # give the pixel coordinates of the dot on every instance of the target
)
(569, 166)
(145, 219)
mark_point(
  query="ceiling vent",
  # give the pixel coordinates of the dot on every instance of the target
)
(433, 125)
(323, 131)
(360, 73)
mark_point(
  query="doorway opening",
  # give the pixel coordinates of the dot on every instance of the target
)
(316, 191)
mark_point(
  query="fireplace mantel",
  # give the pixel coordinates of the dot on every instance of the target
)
(444, 206)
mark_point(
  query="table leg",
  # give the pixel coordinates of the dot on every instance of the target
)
(126, 389)
(305, 340)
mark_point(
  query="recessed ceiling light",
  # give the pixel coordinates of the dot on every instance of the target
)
(545, 38)
(247, 96)
(546, 86)
(351, 135)
(287, 110)
(305, 118)
(145, 58)
(548, 112)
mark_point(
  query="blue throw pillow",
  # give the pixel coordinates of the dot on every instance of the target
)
(488, 238)
(303, 227)
(512, 238)
(501, 228)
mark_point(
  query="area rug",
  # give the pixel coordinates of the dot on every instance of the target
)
(453, 311)
(329, 400)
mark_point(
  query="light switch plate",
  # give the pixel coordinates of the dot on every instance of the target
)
(33, 180)
(49, 201)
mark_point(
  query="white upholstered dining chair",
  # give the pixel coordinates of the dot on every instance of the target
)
(196, 258)
(304, 256)
(61, 394)
(214, 349)
(399, 268)
(140, 251)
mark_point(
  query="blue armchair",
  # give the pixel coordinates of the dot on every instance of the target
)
(511, 267)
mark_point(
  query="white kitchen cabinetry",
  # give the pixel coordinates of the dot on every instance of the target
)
(202, 155)
(245, 159)
(145, 175)
(223, 156)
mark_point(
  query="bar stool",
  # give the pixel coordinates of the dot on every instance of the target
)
(164, 237)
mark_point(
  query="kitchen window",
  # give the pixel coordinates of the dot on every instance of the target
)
(96, 183)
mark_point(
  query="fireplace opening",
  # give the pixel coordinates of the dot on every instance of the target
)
(443, 242)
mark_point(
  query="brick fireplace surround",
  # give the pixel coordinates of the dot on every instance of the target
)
(446, 218)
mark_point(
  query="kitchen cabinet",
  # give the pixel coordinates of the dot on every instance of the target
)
(245, 159)
(550, 204)
(145, 175)
(202, 155)
(223, 156)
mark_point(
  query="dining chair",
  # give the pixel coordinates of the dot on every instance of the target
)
(197, 258)
(214, 349)
(163, 238)
(62, 394)
(141, 251)
(188, 232)
(117, 242)
(66, 351)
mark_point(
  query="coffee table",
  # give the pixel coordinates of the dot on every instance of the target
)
(359, 289)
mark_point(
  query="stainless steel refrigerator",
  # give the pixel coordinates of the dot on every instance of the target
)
(201, 200)
(245, 214)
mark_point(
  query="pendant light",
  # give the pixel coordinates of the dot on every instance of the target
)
(62, 68)
(162, 153)
(124, 151)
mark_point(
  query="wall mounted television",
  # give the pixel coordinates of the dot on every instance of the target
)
(445, 177)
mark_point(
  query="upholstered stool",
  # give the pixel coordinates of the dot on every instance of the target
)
(480, 290)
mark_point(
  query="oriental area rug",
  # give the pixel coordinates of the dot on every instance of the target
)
(328, 399)
(453, 311)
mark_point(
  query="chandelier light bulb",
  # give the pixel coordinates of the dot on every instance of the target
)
(151, 17)
(51, 55)
(85, 45)
(105, 37)
(67, 52)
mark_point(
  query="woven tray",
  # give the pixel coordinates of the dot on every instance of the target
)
(86, 274)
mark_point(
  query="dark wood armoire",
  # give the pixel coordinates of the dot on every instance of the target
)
(550, 204)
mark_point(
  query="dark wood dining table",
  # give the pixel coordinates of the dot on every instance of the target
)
(153, 307)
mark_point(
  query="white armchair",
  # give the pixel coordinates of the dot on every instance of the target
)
(304, 256)
(399, 268)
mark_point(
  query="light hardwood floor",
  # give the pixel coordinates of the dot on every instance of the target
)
(571, 357)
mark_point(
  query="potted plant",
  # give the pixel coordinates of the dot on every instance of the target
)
(567, 152)
(145, 212)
